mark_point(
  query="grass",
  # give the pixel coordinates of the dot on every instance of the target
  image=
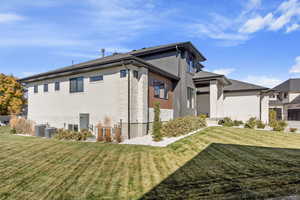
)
(217, 163)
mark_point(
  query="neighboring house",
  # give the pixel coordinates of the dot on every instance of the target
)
(124, 88)
(235, 99)
(286, 100)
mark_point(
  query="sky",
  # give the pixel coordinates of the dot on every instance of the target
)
(256, 41)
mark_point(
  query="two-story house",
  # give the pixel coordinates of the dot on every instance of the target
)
(286, 100)
(124, 88)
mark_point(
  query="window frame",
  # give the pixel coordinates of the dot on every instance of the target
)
(46, 87)
(77, 81)
(123, 73)
(190, 97)
(96, 78)
(159, 86)
(191, 64)
(36, 89)
(135, 74)
(57, 86)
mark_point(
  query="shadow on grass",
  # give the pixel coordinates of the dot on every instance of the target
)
(225, 171)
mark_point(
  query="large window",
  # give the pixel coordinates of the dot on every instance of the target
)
(76, 84)
(190, 97)
(160, 89)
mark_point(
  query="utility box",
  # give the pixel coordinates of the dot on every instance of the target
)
(40, 130)
(50, 132)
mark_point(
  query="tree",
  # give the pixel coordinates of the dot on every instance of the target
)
(157, 136)
(11, 95)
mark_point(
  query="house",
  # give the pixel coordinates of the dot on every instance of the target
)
(124, 87)
(286, 100)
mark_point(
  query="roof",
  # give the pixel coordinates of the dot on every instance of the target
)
(242, 86)
(154, 49)
(105, 61)
(291, 85)
(204, 76)
(100, 63)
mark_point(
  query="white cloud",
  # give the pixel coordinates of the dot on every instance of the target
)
(292, 28)
(224, 71)
(9, 17)
(25, 74)
(296, 67)
(266, 81)
(256, 24)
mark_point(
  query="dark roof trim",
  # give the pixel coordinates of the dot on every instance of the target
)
(212, 78)
(232, 91)
(185, 45)
(91, 67)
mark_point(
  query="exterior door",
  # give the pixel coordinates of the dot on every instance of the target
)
(84, 121)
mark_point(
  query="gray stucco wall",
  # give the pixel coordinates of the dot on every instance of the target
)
(176, 63)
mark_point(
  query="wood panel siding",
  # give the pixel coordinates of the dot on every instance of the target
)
(164, 103)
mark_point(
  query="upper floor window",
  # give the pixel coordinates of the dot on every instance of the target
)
(96, 78)
(135, 74)
(123, 73)
(160, 89)
(36, 89)
(191, 64)
(57, 86)
(190, 97)
(45, 87)
(285, 95)
(76, 84)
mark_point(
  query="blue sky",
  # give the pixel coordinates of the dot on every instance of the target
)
(251, 40)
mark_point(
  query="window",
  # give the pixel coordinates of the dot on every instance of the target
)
(96, 78)
(36, 89)
(135, 74)
(160, 89)
(123, 73)
(285, 95)
(190, 97)
(56, 86)
(45, 87)
(76, 84)
(191, 65)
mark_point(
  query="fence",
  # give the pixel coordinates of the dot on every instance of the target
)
(109, 134)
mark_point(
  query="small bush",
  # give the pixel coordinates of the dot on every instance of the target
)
(118, 136)
(157, 136)
(226, 122)
(260, 124)
(182, 126)
(22, 125)
(237, 123)
(13, 131)
(293, 130)
(272, 118)
(251, 123)
(63, 134)
(279, 125)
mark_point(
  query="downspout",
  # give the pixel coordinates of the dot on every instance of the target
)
(128, 111)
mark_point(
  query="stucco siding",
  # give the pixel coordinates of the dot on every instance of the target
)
(107, 98)
(242, 105)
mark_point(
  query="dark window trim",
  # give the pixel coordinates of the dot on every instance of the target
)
(165, 88)
(76, 84)
(96, 78)
(135, 74)
(57, 86)
(123, 73)
(35, 89)
(46, 87)
(191, 98)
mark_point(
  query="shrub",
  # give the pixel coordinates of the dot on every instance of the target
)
(182, 126)
(279, 125)
(118, 136)
(293, 130)
(157, 136)
(251, 123)
(226, 122)
(22, 125)
(260, 124)
(272, 118)
(13, 131)
(63, 134)
(237, 123)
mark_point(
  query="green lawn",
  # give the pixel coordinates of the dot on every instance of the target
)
(217, 163)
